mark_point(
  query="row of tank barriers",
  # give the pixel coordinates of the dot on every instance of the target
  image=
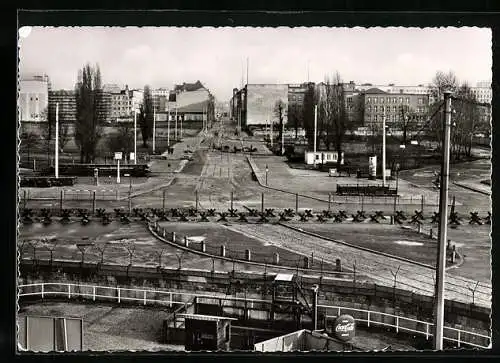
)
(269, 215)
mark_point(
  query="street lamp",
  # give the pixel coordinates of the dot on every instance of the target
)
(397, 177)
(267, 170)
(135, 136)
(129, 192)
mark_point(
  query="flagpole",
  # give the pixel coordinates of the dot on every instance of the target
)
(135, 136)
(176, 137)
(168, 125)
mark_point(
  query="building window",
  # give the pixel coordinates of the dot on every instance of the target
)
(374, 108)
(394, 108)
(420, 101)
(407, 99)
(369, 108)
(400, 99)
(369, 100)
(382, 109)
(374, 99)
(381, 99)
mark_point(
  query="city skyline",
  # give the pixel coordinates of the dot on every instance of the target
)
(162, 57)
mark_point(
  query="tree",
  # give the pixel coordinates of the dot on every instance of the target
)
(332, 114)
(308, 112)
(146, 116)
(90, 112)
(406, 122)
(29, 141)
(441, 82)
(465, 121)
(295, 117)
(123, 140)
(49, 132)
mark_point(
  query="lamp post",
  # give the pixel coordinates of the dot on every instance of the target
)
(383, 150)
(57, 142)
(129, 192)
(267, 170)
(154, 128)
(397, 177)
(443, 220)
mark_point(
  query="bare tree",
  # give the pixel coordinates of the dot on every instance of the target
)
(332, 114)
(466, 121)
(29, 141)
(308, 113)
(123, 140)
(406, 122)
(279, 112)
(49, 131)
(295, 117)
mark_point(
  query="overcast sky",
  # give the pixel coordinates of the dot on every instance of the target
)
(162, 57)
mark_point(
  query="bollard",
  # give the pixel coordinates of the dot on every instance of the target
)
(248, 255)
(306, 262)
(453, 254)
(186, 242)
(430, 233)
(164, 232)
(202, 246)
(296, 202)
(223, 251)
(93, 202)
(173, 236)
(276, 258)
(163, 200)
(448, 245)
(338, 265)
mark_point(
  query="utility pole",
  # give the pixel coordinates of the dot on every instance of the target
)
(443, 226)
(247, 69)
(154, 127)
(282, 137)
(383, 149)
(57, 142)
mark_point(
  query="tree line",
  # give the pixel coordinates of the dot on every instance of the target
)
(334, 125)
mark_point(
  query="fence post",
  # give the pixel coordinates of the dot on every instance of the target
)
(223, 251)
(144, 297)
(202, 246)
(296, 202)
(248, 255)
(458, 340)
(397, 324)
(42, 290)
(276, 259)
(368, 320)
(93, 293)
(69, 291)
(163, 200)
(173, 236)
(119, 297)
(186, 242)
(426, 331)
(262, 203)
(231, 199)
(196, 206)
(60, 202)
(338, 265)
(395, 202)
(93, 202)
(170, 300)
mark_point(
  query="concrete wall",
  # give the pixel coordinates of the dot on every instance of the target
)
(285, 343)
(332, 292)
(261, 101)
(188, 98)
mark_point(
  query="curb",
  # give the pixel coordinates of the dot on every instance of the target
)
(472, 188)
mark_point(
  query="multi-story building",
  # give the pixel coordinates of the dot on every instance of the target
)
(119, 102)
(192, 102)
(33, 98)
(66, 101)
(392, 106)
(160, 99)
(483, 92)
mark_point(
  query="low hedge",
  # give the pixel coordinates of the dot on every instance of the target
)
(47, 181)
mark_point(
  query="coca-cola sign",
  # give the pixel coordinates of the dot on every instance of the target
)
(344, 327)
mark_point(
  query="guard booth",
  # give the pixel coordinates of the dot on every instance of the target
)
(207, 332)
(288, 298)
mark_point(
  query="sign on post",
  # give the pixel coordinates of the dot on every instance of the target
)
(132, 156)
(118, 156)
(344, 327)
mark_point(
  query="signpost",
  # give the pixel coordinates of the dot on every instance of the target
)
(118, 157)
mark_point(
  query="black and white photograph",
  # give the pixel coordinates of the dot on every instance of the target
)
(259, 189)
